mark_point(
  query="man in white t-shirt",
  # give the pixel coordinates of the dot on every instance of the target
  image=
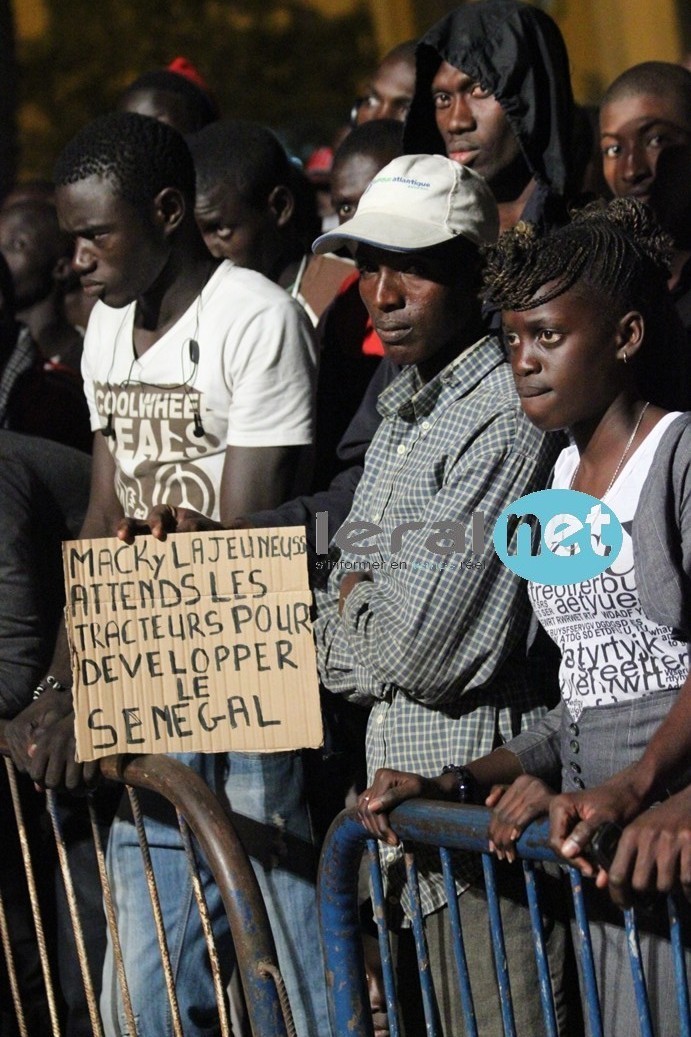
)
(200, 382)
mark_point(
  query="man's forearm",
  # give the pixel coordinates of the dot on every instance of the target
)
(667, 757)
(60, 665)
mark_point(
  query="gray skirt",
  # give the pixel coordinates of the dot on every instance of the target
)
(601, 742)
(608, 738)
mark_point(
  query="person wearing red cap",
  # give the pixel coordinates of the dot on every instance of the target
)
(177, 95)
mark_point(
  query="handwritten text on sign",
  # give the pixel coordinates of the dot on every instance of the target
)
(199, 643)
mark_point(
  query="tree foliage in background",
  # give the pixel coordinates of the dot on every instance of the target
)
(280, 63)
(8, 98)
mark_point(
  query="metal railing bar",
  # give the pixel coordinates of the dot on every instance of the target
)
(275, 973)
(501, 966)
(546, 997)
(156, 908)
(11, 971)
(337, 905)
(429, 1003)
(111, 920)
(379, 907)
(679, 964)
(206, 926)
(634, 948)
(33, 898)
(585, 949)
(75, 919)
(458, 945)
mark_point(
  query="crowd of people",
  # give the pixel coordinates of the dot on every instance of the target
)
(469, 317)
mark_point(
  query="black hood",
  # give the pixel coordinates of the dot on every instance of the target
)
(517, 53)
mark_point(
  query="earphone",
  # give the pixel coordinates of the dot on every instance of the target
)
(108, 431)
(198, 430)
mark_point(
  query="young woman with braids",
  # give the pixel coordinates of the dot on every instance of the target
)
(588, 325)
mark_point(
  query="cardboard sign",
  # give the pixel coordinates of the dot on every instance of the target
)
(201, 643)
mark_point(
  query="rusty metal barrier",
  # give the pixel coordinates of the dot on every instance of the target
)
(200, 816)
(449, 827)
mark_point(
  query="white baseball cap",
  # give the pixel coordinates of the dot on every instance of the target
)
(416, 202)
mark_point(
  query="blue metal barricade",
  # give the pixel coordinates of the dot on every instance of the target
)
(449, 827)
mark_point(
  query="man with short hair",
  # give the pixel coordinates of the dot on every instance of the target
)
(350, 350)
(358, 159)
(426, 628)
(200, 382)
(391, 87)
(39, 256)
(645, 111)
(252, 205)
(493, 92)
(645, 137)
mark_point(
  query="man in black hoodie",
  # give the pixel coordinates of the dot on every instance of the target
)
(493, 92)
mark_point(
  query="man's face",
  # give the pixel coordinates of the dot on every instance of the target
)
(349, 180)
(234, 229)
(30, 255)
(475, 129)
(418, 310)
(390, 92)
(119, 253)
(634, 131)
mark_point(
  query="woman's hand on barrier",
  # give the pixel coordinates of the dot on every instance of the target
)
(576, 816)
(513, 808)
(654, 853)
(388, 790)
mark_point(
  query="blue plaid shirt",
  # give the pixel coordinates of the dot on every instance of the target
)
(437, 641)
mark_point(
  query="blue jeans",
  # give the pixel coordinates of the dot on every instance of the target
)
(265, 792)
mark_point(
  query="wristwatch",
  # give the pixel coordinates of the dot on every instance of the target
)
(467, 789)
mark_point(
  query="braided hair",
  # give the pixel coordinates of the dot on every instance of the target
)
(619, 254)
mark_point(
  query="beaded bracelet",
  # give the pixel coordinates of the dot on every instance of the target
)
(49, 682)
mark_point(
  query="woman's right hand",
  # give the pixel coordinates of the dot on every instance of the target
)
(513, 808)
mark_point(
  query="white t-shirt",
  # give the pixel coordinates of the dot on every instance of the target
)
(610, 651)
(250, 377)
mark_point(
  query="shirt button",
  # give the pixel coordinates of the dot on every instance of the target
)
(573, 728)
(380, 719)
(390, 856)
(575, 767)
(376, 516)
(425, 426)
(579, 783)
(400, 449)
(574, 746)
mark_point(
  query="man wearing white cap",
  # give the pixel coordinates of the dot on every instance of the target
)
(428, 630)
